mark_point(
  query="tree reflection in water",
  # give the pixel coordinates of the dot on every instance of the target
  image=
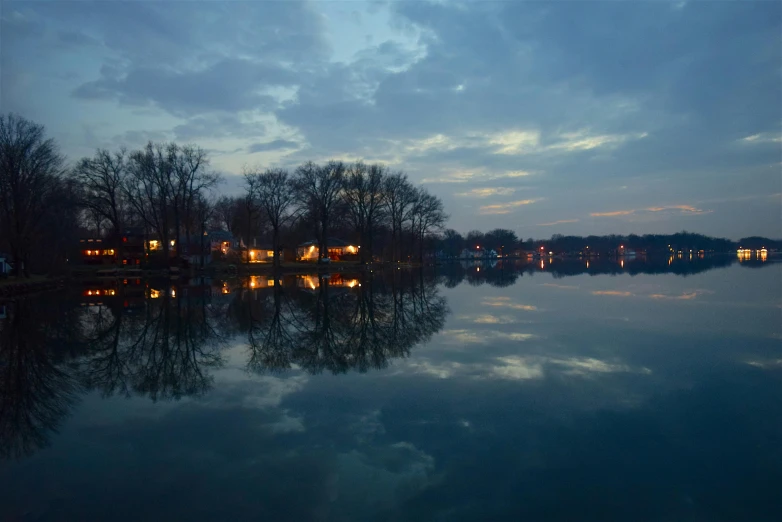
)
(505, 272)
(165, 352)
(37, 389)
(165, 341)
(339, 324)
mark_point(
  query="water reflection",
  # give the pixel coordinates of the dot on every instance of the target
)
(163, 341)
(506, 272)
(338, 323)
(37, 387)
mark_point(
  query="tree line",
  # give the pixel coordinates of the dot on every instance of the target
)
(171, 192)
(505, 242)
(381, 210)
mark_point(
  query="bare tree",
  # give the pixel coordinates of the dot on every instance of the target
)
(399, 198)
(319, 189)
(102, 179)
(225, 212)
(250, 204)
(191, 179)
(150, 189)
(30, 170)
(429, 216)
(276, 197)
(366, 201)
(204, 209)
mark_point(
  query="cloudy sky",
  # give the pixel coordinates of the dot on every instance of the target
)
(545, 117)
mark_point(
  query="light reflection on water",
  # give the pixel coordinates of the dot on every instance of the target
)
(597, 389)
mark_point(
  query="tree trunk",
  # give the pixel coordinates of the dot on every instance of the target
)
(323, 246)
(276, 246)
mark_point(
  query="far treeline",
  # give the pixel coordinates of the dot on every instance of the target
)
(504, 242)
(170, 192)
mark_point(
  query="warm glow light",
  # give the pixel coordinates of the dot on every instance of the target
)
(154, 294)
(173, 292)
(172, 242)
(622, 263)
(478, 269)
(252, 253)
(587, 263)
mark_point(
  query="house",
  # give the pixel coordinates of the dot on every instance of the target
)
(338, 250)
(98, 251)
(221, 240)
(196, 250)
(261, 253)
(5, 265)
(94, 251)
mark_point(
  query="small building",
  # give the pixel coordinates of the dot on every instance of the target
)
(262, 254)
(5, 265)
(221, 240)
(196, 252)
(338, 250)
(95, 251)
(470, 254)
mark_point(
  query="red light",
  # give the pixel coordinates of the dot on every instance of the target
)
(124, 240)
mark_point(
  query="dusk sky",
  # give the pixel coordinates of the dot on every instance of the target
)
(577, 117)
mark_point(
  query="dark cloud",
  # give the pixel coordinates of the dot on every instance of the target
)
(218, 125)
(665, 92)
(272, 145)
(194, 92)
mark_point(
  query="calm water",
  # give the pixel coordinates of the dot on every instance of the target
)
(629, 393)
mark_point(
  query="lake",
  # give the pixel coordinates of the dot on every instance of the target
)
(599, 390)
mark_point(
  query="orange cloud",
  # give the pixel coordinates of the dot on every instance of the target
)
(684, 209)
(507, 208)
(614, 213)
(507, 303)
(557, 222)
(612, 292)
(685, 296)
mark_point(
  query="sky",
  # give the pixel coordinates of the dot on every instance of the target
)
(559, 117)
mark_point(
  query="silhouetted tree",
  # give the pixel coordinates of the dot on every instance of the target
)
(319, 190)
(31, 174)
(275, 197)
(365, 196)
